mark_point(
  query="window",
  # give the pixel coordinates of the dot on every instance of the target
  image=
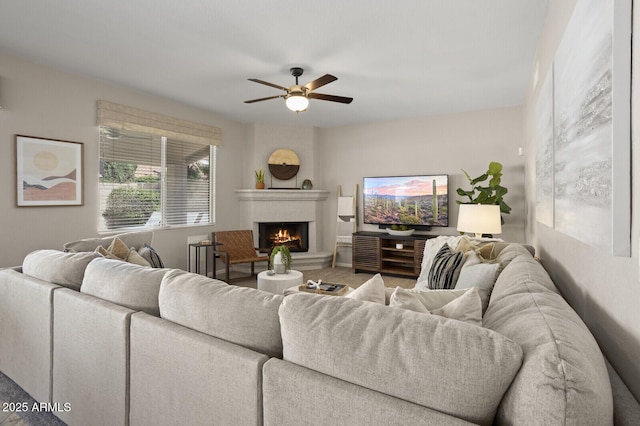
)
(155, 171)
(153, 181)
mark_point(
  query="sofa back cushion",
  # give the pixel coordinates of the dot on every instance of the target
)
(132, 239)
(241, 315)
(54, 266)
(447, 365)
(133, 286)
(563, 379)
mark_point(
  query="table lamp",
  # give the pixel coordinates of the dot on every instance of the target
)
(479, 219)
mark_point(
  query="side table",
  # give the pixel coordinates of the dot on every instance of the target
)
(277, 283)
(208, 254)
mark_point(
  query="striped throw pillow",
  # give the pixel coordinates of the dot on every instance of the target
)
(445, 268)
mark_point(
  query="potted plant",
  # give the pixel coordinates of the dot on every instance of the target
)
(259, 179)
(280, 259)
(492, 193)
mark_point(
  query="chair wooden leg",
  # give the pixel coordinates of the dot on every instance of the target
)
(252, 269)
(227, 270)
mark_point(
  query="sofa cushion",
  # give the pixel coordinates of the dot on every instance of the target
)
(54, 266)
(241, 315)
(133, 286)
(449, 366)
(563, 379)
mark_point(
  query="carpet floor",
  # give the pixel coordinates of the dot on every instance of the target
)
(17, 407)
(12, 395)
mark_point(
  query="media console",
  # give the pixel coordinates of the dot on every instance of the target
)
(388, 254)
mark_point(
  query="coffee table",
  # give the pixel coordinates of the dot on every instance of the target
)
(277, 283)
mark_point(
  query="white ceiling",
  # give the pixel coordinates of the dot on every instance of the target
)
(406, 58)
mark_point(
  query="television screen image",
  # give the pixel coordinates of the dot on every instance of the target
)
(420, 200)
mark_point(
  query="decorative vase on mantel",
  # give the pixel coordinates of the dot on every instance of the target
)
(259, 185)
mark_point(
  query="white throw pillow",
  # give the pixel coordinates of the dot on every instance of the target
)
(467, 308)
(475, 273)
(434, 299)
(404, 299)
(370, 291)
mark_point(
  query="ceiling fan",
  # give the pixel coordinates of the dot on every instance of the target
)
(297, 97)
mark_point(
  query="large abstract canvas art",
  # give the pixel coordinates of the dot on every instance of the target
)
(591, 126)
(49, 172)
(544, 152)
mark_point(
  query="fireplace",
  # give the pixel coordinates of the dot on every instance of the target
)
(294, 235)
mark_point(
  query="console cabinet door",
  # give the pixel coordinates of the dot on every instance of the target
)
(366, 253)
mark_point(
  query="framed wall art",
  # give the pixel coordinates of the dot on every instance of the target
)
(49, 172)
(592, 142)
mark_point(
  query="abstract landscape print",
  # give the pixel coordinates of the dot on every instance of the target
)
(48, 172)
(591, 170)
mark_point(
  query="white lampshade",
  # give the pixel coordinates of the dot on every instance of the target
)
(297, 103)
(479, 219)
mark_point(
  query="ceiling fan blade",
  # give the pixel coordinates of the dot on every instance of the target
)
(264, 99)
(255, 80)
(341, 99)
(319, 82)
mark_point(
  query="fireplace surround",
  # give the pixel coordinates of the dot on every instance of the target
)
(280, 206)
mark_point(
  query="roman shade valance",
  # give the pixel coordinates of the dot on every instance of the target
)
(122, 117)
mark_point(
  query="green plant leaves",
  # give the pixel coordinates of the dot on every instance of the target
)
(491, 194)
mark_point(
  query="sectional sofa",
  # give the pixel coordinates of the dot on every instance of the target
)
(108, 342)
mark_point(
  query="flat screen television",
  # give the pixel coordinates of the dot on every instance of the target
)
(418, 201)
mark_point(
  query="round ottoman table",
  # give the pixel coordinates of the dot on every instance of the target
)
(277, 283)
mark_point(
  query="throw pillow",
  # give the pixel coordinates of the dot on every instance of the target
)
(467, 308)
(431, 248)
(487, 251)
(151, 256)
(136, 259)
(475, 273)
(371, 291)
(118, 249)
(106, 253)
(404, 299)
(434, 299)
(445, 269)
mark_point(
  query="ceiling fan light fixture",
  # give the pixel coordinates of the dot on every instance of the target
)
(297, 103)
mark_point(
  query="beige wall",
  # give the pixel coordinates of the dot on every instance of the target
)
(604, 289)
(428, 145)
(42, 102)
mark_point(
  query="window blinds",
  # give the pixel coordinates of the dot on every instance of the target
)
(125, 118)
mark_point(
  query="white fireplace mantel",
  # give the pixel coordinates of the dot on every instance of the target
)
(285, 205)
(282, 194)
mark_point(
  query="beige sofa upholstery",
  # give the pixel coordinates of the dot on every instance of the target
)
(295, 395)
(564, 371)
(221, 354)
(90, 359)
(180, 376)
(25, 331)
